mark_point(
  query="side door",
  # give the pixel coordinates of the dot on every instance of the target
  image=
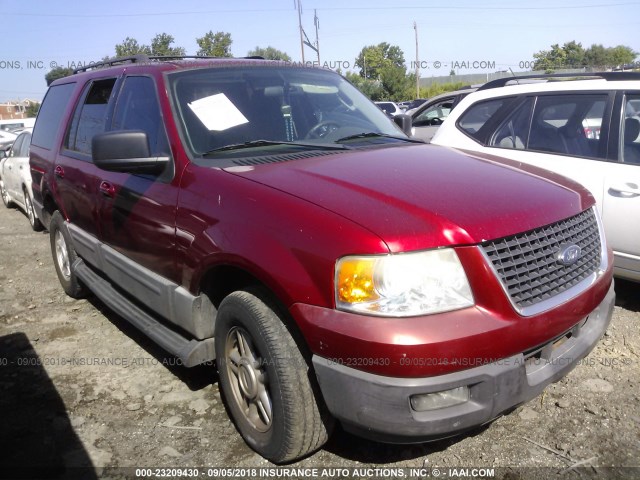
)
(137, 212)
(11, 175)
(621, 193)
(76, 177)
(21, 163)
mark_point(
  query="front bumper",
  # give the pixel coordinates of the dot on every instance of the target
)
(379, 407)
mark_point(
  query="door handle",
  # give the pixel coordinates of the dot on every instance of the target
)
(58, 171)
(625, 190)
(107, 189)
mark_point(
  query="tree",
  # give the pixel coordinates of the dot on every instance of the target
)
(373, 58)
(32, 109)
(385, 63)
(130, 47)
(622, 55)
(57, 73)
(161, 45)
(371, 88)
(573, 55)
(269, 53)
(550, 59)
(396, 84)
(214, 44)
(596, 56)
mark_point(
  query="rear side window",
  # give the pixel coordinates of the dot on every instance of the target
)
(631, 130)
(90, 116)
(17, 146)
(50, 115)
(514, 131)
(477, 115)
(23, 150)
(568, 124)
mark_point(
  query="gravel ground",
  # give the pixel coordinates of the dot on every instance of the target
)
(79, 386)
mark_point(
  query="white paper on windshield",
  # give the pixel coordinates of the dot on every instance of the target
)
(217, 112)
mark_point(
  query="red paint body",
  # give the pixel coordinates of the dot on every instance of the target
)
(287, 223)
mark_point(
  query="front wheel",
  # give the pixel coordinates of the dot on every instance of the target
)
(266, 381)
(63, 257)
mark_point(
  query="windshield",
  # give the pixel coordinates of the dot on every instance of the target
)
(221, 107)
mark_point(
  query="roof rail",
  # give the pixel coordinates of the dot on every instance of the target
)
(142, 58)
(113, 61)
(501, 82)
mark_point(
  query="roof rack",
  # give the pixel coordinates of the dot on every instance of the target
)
(142, 58)
(113, 61)
(501, 82)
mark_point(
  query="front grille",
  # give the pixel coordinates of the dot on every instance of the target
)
(527, 264)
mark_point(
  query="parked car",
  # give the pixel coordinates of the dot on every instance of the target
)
(15, 178)
(390, 108)
(586, 129)
(6, 139)
(427, 118)
(272, 219)
(17, 124)
(413, 104)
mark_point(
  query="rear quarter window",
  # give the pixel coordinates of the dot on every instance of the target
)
(50, 115)
(478, 114)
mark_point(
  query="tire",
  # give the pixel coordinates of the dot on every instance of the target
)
(63, 257)
(5, 195)
(266, 381)
(34, 221)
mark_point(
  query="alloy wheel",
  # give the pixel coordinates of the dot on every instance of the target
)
(249, 379)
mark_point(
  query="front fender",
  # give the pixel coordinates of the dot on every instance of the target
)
(289, 244)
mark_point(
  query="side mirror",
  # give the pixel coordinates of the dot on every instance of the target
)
(126, 151)
(404, 122)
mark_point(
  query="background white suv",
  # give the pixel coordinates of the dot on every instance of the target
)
(584, 127)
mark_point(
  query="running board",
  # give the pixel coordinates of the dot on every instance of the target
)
(190, 352)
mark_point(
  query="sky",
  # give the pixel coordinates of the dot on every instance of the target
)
(468, 36)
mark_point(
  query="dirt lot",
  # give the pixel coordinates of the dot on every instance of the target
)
(79, 386)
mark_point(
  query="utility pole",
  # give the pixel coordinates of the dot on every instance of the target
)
(300, 27)
(316, 22)
(415, 27)
(313, 46)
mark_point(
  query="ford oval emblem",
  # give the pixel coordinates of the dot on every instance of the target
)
(569, 254)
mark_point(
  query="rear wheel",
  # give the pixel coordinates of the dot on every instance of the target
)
(266, 381)
(63, 257)
(34, 221)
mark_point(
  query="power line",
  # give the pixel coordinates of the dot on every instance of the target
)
(368, 8)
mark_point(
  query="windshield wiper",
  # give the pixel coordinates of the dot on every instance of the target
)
(377, 134)
(266, 143)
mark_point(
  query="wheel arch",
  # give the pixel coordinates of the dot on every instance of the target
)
(220, 280)
(49, 206)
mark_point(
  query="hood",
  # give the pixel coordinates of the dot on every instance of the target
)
(424, 196)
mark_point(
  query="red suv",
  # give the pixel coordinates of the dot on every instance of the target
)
(272, 218)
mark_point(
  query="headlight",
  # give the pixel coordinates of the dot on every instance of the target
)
(402, 285)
